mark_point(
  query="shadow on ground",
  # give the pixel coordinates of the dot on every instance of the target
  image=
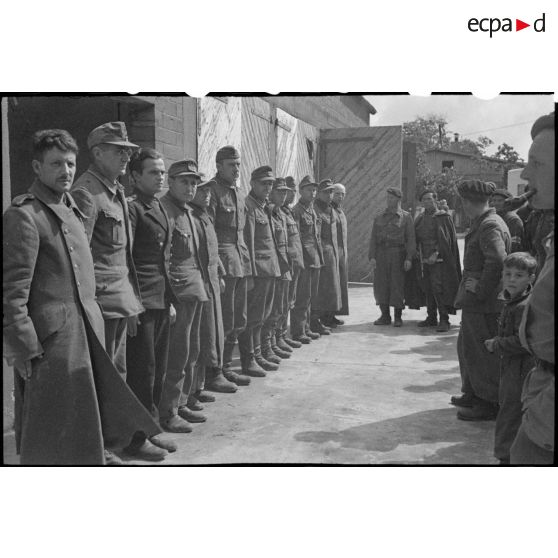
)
(468, 443)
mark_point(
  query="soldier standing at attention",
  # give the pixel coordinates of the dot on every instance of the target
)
(270, 351)
(328, 300)
(284, 341)
(392, 247)
(486, 246)
(258, 235)
(227, 212)
(511, 218)
(308, 281)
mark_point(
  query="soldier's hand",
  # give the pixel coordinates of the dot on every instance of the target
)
(407, 265)
(372, 264)
(221, 285)
(172, 314)
(24, 368)
(489, 345)
(132, 325)
(471, 284)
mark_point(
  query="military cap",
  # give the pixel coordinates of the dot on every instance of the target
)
(227, 152)
(502, 192)
(307, 181)
(475, 190)
(183, 168)
(542, 123)
(427, 191)
(112, 132)
(290, 181)
(262, 173)
(326, 184)
(395, 192)
(207, 183)
(338, 187)
(280, 184)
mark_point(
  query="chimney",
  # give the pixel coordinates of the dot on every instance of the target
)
(456, 137)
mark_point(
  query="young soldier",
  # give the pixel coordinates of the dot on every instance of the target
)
(307, 287)
(258, 235)
(511, 218)
(486, 246)
(392, 247)
(515, 360)
(189, 288)
(227, 212)
(328, 300)
(270, 351)
(69, 396)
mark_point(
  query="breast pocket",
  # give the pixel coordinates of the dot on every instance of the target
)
(113, 223)
(226, 217)
(182, 243)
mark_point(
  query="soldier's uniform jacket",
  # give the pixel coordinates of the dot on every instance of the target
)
(151, 249)
(308, 227)
(294, 243)
(393, 230)
(185, 267)
(486, 246)
(281, 235)
(51, 317)
(107, 225)
(426, 234)
(227, 210)
(259, 238)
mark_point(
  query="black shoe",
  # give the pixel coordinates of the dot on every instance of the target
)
(337, 321)
(429, 322)
(383, 320)
(303, 340)
(478, 412)
(328, 322)
(293, 343)
(146, 451)
(397, 322)
(160, 442)
(220, 384)
(443, 326)
(238, 379)
(191, 416)
(465, 400)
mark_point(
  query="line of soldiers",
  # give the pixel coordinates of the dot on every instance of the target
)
(121, 314)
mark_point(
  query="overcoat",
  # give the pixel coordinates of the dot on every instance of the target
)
(343, 261)
(75, 397)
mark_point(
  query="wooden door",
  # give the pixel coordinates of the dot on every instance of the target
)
(366, 161)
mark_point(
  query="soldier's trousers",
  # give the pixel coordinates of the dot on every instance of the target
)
(291, 298)
(279, 308)
(306, 291)
(344, 283)
(260, 303)
(233, 305)
(115, 342)
(184, 350)
(479, 368)
(147, 356)
(433, 287)
(389, 277)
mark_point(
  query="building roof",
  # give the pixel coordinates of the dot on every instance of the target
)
(468, 155)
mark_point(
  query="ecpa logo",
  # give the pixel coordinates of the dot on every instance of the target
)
(494, 24)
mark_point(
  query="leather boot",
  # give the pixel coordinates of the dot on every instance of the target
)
(280, 342)
(385, 318)
(327, 320)
(267, 352)
(311, 334)
(430, 321)
(292, 342)
(278, 350)
(317, 326)
(263, 362)
(397, 321)
(234, 378)
(250, 366)
(218, 383)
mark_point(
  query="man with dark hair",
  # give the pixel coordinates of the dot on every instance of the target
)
(227, 212)
(258, 235)
(147, 350)
(307, 287)
(392, 247)
(534, 443)
(486, 246)
(438, 266)
(512, 220)
(68, 393)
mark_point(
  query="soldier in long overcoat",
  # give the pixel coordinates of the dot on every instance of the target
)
(69, 396)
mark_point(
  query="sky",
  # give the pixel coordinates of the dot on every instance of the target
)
(506, 118)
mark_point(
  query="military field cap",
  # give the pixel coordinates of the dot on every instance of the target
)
(112, 132)
(502, 192)
(542, 123)
(475, 190)
(307, 181)
(183, 168)
(280, 184)
(227, 152)
(262, 173)
(395, 192)
(290, 181)
(338, 187)
(326, 184)
(207, 183)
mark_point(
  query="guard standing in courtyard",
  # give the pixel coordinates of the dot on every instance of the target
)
(486, 246)
(511, 218)
(392, 247)
(258, 235)
(308, 281)
(328, 300)
(227, 212)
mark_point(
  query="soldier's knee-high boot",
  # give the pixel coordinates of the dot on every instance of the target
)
(397, 321)
(260, 359)
(385, 318)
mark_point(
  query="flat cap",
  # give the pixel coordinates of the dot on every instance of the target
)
(542, 123)
(395, 192)
(262, 173)
(112, 132)
(475, 190)
(326, 184)
(290, 181)
(502, 192)
(307, 181)
(280, 184)
(183, 168)
(227, 152)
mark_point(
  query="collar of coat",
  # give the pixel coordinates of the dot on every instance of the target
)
(505, 295)
(186, 208)
(263, 204)
(147, 200)
(59, 204)
(323, 206)
(388, 211)
(198, 210)
(221, 181)
(112, 187)
(475, 224)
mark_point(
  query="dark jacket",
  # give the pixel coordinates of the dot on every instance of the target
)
(281, 236)
(51, 317)
(151, 249)
(307, 222)
(486, 245)
(294, 243)
(393, 230)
